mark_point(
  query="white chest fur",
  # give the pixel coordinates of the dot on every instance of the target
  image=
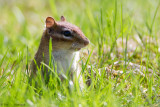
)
(66, 60)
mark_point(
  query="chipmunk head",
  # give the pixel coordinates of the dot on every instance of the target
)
(65, 36)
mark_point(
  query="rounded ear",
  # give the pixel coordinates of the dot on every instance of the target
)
(50, 22)
(63, 18)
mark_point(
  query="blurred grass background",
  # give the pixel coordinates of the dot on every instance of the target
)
(22, 22)
(103, 22)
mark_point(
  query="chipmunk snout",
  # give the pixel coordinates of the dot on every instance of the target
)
(86, 42)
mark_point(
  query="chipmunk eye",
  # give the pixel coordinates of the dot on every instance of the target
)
(67, 33)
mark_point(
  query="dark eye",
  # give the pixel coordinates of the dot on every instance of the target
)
(67, 33)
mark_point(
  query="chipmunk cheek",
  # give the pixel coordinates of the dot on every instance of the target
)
(73, 44)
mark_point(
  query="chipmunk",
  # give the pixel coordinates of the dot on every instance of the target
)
(67, 40)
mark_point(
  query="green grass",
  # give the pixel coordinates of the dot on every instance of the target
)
(104, 22)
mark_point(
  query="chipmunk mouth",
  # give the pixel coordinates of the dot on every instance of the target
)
(78, 49)
(75, 49)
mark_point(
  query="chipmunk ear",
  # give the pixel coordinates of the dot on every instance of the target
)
(50, 22)
(63, 18)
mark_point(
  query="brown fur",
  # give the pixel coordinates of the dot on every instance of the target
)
(59, 42)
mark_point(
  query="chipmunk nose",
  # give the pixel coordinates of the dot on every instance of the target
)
(86, 42)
